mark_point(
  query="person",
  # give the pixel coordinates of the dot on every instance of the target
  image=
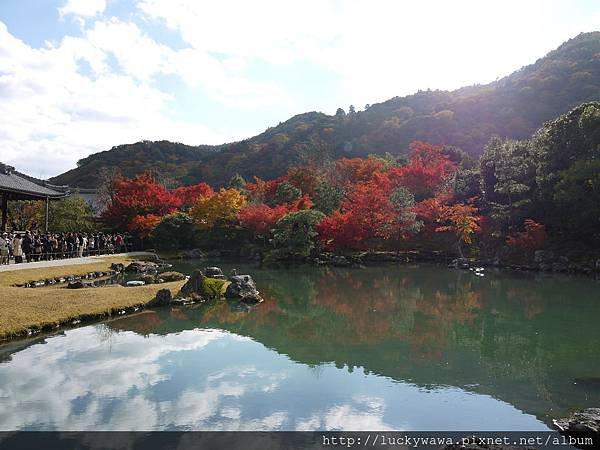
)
(17, 244)
(28, 245)
(82, 244)
(4, 249)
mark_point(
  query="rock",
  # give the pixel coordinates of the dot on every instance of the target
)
(214, 272)
(117, 267)
(79, 285)
(459, 263)
(539, 256)
(148, 279)
(172, 276)
(142, 267)
(194, 253)
(242, 288)
(340, 261)
(135, 283)
(163, 298)
(584, 423)
(194, 285)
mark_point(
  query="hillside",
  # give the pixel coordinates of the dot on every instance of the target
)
(513, 106)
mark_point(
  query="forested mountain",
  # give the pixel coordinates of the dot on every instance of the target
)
(513, 107)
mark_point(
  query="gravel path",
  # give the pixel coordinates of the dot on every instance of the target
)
(67, 262)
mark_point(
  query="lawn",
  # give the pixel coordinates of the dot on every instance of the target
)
(45, 308)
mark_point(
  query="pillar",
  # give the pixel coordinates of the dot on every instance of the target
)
(47, 202)
(4, 211)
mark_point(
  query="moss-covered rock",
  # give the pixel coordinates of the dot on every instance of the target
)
(199, 287)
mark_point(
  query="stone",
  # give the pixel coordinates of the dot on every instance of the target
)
(584, 423)
(117, 267)
(459, 263)
(340, 261)
(242, 287)
(194, 253)
(148, 279)
(214, 272)
(79, 285)
(142, 267)
(135, 283)
(163, 298)
(172, 276)
(194, 284)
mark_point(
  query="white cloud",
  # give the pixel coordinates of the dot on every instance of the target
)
(85, 8)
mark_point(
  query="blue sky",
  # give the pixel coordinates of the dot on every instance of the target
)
(79, 76)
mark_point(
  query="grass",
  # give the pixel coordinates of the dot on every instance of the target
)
(46, 308)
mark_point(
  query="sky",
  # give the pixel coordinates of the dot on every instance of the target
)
(81, 76)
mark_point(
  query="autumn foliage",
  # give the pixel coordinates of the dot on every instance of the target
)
(532, 238)
(361, 204)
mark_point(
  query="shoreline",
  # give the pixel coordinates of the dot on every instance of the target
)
(27, 312)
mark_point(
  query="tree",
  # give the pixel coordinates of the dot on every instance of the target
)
(144, 225)
(508, 176)
(26, 214)
(174, 232)
(219, 209)
(71, 214)
(189, 195)
(294, 234)
(237, 182)
(531, 239)
(287, 193)
(460, 219)
(139, 196)
(340, 112)
(260, 219)
(327, 197)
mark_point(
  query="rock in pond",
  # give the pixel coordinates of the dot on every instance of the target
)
(172, 276)
(243, 288)
(199, 287)
(460, 263)
(584, 423)
(142, 267)
(214, 272)
(163, 298)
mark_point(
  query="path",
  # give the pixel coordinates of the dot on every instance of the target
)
(69, 261)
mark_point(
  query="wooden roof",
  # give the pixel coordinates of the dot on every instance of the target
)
(19, 186)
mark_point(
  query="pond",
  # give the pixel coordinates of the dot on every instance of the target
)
(377, 348)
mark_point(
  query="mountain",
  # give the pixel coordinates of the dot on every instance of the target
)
(513, 106)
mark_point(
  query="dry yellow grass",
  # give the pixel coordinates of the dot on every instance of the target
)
(23, 309)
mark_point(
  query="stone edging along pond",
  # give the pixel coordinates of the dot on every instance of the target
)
(197, 288)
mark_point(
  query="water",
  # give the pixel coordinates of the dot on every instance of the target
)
(403, 348)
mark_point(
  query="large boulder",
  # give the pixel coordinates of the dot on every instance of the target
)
(584, 423)
(242, 288)
(163, 298)
(214, 272)
(146, 267)
(199, 287)
(172, 276)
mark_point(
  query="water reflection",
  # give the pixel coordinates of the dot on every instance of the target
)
(378, 348)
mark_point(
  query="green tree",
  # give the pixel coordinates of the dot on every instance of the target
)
(175, 231)
(294, 235)
(71, 214)
(287, 193)
(237, 182)
(327, 197)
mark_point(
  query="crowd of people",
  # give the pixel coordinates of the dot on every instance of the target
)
(31, 246)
